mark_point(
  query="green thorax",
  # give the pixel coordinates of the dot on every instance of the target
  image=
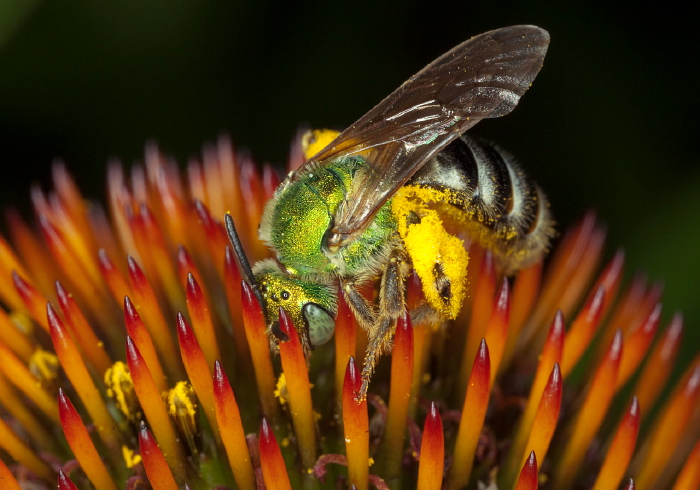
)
(301, 214)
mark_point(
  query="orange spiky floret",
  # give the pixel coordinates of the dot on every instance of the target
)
(181, 278)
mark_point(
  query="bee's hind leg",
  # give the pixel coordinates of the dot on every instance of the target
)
(392, 304)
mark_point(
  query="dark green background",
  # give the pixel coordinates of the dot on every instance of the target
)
(611, 122)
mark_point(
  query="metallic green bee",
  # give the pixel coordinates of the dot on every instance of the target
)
(377, 202)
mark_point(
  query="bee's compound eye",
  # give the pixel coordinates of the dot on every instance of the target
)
(320, 322)
(285, 295)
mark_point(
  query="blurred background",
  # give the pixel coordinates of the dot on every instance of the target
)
(610, 123)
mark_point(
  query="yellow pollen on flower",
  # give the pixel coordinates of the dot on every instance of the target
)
(181, 400)
(182, 407)
(314, 141)
(281, 389)
(120, 388)
(130, 459)
(22, 322)
(44, 366)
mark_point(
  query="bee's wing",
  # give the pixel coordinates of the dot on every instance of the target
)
(482, 77)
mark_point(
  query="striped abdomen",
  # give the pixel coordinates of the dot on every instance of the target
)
(500, 207)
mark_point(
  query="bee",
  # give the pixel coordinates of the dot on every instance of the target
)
(385, 197)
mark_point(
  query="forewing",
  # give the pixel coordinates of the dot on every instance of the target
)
(482, 77)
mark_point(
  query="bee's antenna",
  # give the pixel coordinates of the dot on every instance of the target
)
(241, 258)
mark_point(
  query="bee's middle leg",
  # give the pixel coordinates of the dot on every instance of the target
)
(392, 304)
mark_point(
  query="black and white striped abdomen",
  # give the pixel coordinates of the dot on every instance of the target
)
(504, 210)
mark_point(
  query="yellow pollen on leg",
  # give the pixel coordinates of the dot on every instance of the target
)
(428, 244)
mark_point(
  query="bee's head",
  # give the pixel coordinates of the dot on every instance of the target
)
(310, 300)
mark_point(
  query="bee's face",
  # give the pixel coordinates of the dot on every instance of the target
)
(310, 303)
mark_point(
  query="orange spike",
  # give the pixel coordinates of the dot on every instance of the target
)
(270, 182)
(151, 242)
(16, 406)
(74, 261)
(7, 478)
(195, 180)
(201, 320)
(497, 328)
(14, 338)
(17, 372)
(173, 209)
(232, 287)
(33, 300)
(590, 415)
(33, 253)
(138, 333)
(299, 389)
(550, 356)
(147, 305)
(689, 477)
(212, 181)
(562, 266)
(422, 343)
(432, 451)
(399, 397)
(82, 446)
(11, 444)
(473, 413)
(578, 283)
(79, 376)
(629, 303)
(609, 279)
(256, 335)
(271, 461)
(216, 239)
(112, 276)
(670, 426)
(91, 346)
(252, 194)
(484, 292)
(70, 197)
(637, 342)
(228, 167)
(633, 310)
(355, 428)
(620, 451)
(579, 336)
(198, 370)
(659, 365)
(528, 475)
(154, 409)
(525, 291)
(345, 341)
(9, 260)
(547, 416)
(186, 265)
(120, 200)
(157, 470)
(229, 422)
(65, 483)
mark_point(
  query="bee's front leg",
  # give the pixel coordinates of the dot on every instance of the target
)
(360, 307)
(392, 304)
